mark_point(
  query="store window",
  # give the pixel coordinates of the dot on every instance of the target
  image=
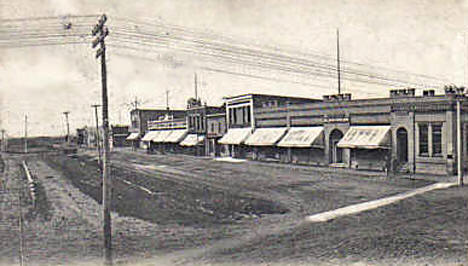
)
(436, 139)
(423, 140)
(234, 118)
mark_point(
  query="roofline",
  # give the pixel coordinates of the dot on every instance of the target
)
(205, 106)
(216, 114)
(153, 109)
(269, 95)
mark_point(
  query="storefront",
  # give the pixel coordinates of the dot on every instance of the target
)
(171, 142)
(134, 140)
(234, 140)
(303, 145)
(370, 147)
(263, 142)
(193, 144)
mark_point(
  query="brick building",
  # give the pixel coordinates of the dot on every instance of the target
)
(197, 141)
(403, 132)
(216, 128)
(242, 122)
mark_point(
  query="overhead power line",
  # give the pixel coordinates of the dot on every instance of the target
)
(213, 51)
(161, 39)
(141, 24)
(30, 19)
(314, 70)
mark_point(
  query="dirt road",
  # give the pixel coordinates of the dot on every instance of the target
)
(189, 210)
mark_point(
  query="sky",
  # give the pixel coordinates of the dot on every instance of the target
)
(425, 37)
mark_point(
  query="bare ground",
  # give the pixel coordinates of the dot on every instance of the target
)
(187, 210)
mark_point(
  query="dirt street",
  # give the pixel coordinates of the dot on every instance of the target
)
(190, 210)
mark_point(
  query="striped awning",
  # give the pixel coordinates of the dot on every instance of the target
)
(161, 136)
(192, 140)
(150, 135)
(265, 136)
(366, 137)
(133, 136)
(303, 137)
(235, 136)
(176, 136)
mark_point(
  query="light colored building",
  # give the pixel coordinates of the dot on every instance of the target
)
(140, 118)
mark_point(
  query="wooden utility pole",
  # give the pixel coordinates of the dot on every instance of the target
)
(3, 141)
(20, 225)
(102, 31)
(167, 99)
(68, 126)
(26, 134)
(459, 96)
(195, 84)
(338, 70)
(98, 141)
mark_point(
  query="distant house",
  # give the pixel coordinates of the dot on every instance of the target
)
(119, 134)
(81, 136)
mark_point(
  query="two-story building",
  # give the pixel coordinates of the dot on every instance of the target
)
(139, 121)
(197, 141)
(165, 134)
(248, 137)
(216, 128)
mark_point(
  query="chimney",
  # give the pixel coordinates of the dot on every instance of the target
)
(428, 93)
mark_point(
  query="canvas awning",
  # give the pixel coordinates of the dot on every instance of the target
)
(303, 137)
(366, 137)
(265, 136)
(192, 140)
(235, 136)
(161, 136)
(150, 135)
(176, 136)
(133, 136)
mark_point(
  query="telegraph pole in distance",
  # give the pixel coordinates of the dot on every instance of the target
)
(68, 126)
(3, 141)
(25, 133)
(338, 59)
(195, 81)
(459, 96)
(98, 141)
(167, 99)
(102, 31)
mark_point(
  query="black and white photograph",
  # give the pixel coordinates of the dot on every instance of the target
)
(233, 132)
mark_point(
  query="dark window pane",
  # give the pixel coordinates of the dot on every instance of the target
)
(436, 139)
(234, 119)
(423, 139)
